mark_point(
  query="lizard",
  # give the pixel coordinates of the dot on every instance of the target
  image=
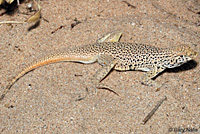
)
(120, 56)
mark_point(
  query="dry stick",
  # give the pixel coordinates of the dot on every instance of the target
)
(154, 110)
(129, 4)
(12, 22)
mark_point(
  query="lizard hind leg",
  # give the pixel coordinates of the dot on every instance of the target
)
(108, 63)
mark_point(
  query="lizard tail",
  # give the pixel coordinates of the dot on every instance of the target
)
(47, 60)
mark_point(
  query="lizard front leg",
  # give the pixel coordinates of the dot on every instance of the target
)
(147, 78)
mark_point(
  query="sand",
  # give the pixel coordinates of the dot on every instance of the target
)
(48, 99)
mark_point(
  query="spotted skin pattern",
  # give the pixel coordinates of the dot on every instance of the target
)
(119, 56)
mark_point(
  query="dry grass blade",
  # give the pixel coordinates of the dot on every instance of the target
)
(1, 1)
(9, 1)
(36, 16)
(12, 22)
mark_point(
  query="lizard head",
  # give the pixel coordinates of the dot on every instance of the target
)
(185, 50)
(182, 54)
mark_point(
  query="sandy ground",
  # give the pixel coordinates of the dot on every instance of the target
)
(45, 100)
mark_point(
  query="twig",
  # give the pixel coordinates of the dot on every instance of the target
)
(154, 110)
(129, 5)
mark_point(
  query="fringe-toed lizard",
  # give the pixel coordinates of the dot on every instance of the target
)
(119, 56)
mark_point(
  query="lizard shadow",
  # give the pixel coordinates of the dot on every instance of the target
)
(186, 66)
